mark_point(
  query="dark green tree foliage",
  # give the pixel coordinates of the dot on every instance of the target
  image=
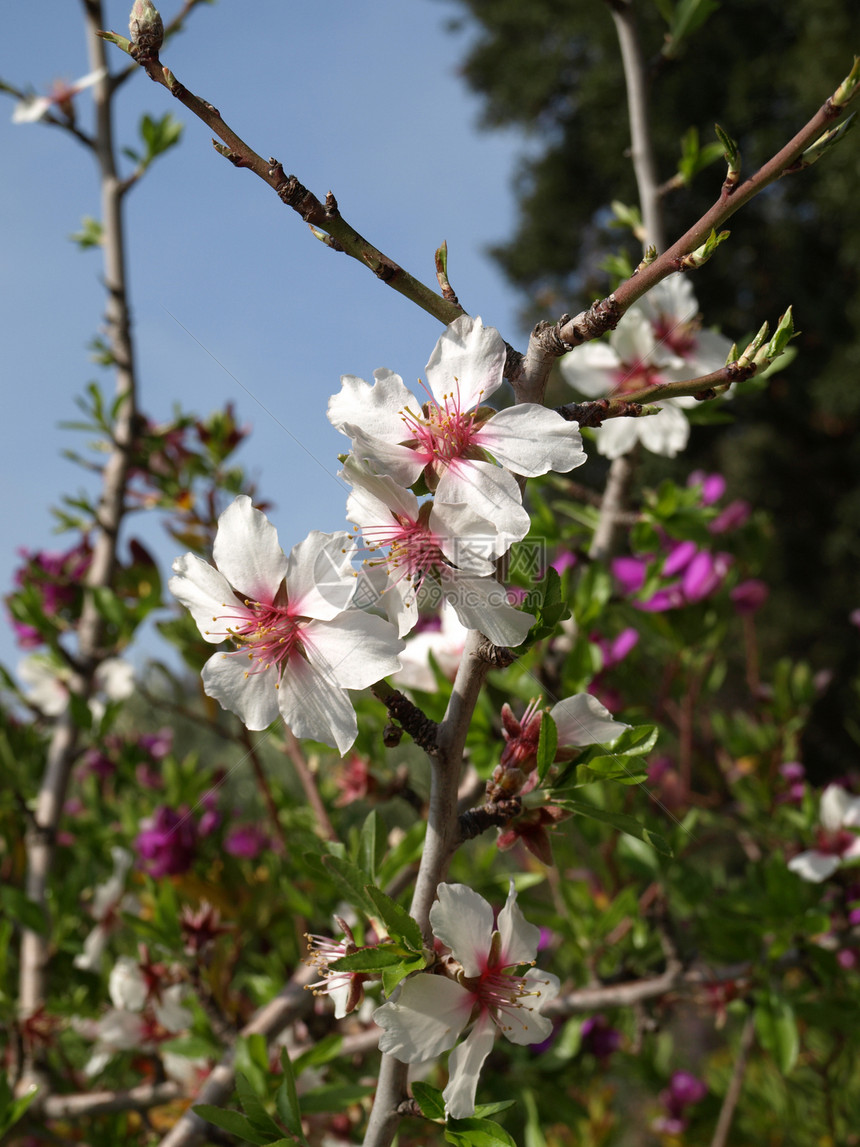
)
(553, 69)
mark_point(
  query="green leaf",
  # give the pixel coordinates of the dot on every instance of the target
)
(287, 1100)
(22, 910)
(372, 836)
(776, 1029)
(12, 1109)
(90, 234)
(334, 1097)
(252, 1063)
(547, 745)
(348, 878)
(621, 821)
(258, 1117)
(397, 920)
(429, 1099)
(368, 959)
(232, 1121)
(474, 1132)
(392, 976)
(323, 1051)
(550, 611)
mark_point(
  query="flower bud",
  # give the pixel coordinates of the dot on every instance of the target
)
(145, 28)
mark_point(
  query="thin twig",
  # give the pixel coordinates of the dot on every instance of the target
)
(324, 218)
(294, 752)
(736, 1083)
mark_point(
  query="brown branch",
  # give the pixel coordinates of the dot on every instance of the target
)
(40, 843)
(326, 217)
(736, 1083)
(551, 340)
(106, 1102)
(290, 1003)
(294, 752)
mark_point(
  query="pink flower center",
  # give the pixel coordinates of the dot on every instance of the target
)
(444, 432)
(499, 994)
(634, 376)
(266, 634)
(413, 549)
(679, 337)
(835, 843)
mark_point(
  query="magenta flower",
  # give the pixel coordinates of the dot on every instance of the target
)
(731, 518)
(749, 595)
(167, 842)
(684, 1091)
(246, 841)
(713, 486)
(599, 1037)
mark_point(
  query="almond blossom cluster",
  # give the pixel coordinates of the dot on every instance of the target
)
(303, 634)
(658, 340)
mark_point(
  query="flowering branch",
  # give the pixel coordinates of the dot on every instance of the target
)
(549, 341)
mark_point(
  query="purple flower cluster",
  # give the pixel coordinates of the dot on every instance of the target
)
(688, 572)
(167, 842)
(56, 579)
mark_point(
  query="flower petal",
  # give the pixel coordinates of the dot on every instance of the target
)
(481, 603)
(464, 1068)
(531, 440)
(425, 1019)
(463, 921)
(353, 651)
(591, 369)
(469, 357)
(377, 408)
(582, 720)
(835, 805)
(204, 592)
(252, 696)
(491, 492)
(519, 938)
(247, 553)
(401, 463)
(525, 1024)
(664, 433)
(315, 706)
(319, 574)
(814, 866)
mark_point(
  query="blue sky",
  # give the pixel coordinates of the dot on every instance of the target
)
(363, 99)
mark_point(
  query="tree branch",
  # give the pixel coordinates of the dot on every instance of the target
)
(324, 219)
(35, 947)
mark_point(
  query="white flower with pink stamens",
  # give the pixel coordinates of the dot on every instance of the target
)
(299, 645)
(445, 546)
(428, 1013)
(658, 340)
(464, 449)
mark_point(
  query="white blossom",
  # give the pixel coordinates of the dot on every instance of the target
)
(838, 813)
(465, 450)
(299, 645)
(428, 1013)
